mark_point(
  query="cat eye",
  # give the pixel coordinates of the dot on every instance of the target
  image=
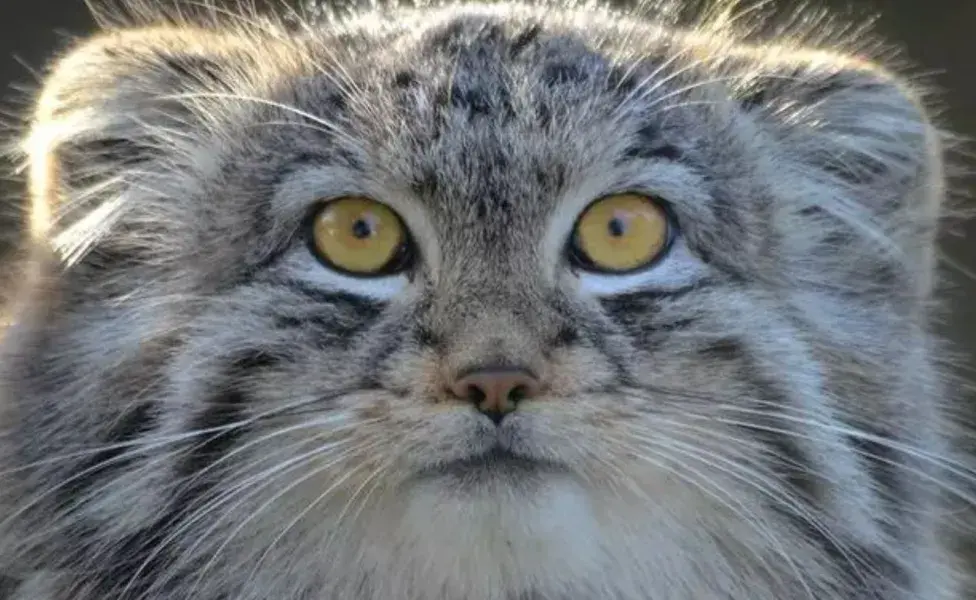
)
(359, 236)
(621, 233)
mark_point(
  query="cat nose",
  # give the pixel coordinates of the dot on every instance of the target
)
(496, 391)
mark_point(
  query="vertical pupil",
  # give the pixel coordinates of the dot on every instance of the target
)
(617, 227)
(361, 228)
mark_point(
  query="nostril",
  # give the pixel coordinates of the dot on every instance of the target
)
(519, 392)
(475, 394)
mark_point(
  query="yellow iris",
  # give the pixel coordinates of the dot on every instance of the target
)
(358, 235)
(622, 232)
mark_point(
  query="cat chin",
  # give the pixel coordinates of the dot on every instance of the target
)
(556, 536)
(502, 529)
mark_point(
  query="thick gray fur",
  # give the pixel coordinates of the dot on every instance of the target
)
(193, 407)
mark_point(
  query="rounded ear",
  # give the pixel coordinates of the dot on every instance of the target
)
(110, 107)
(862, 138)
(850, 118)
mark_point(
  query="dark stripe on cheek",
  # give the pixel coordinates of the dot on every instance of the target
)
(140, 555)
(862, 567)
(333, 329)
(881, 460)
(132, 556)
(389, 338)
(646, 299)
(600, 337)
(789, 461)
(883, 465)
(226, 406)
(336, 319)
(7, 587)
(367, 309)
(130, 426)
(727, 350)
(638, 313)
(143, 567)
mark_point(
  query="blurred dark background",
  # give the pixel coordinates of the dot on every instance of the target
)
(937, 37)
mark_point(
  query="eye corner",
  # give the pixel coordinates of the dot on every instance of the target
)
(397, 260)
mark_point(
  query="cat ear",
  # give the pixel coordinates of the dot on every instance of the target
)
(850, 119)
(109, 109)
(863, 144)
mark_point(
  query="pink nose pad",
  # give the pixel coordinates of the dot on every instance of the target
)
(496, 392)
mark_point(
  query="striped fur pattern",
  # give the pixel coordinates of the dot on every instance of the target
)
(194, 407)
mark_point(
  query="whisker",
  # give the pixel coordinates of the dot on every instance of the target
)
(784, 412)
(952, 466)
(766, 486)
(317, 500)
(724, 498)
(153, 442)
(263, 507)
(279, 468)
(174, 534)
(941, 482)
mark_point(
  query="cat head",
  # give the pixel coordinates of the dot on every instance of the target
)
(611, 290)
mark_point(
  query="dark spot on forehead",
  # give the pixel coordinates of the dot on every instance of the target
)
(483, 98)
(334, 102)
(566, 336)
(621, 79)
(563, 73)
(198, 69)
(404, 78)
(543, 114)
(550, 177)
(425, 183)
(469, 33)
(473, 99)
(524, 39)
(448, 37)
(648, 143)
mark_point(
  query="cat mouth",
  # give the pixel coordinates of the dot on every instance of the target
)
(495, 464)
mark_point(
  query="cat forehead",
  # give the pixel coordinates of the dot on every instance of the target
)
(489, 115)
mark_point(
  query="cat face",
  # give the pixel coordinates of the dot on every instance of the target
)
(482, 299)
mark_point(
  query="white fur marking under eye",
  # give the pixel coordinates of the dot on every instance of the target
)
(676, 270)
(306, 268)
